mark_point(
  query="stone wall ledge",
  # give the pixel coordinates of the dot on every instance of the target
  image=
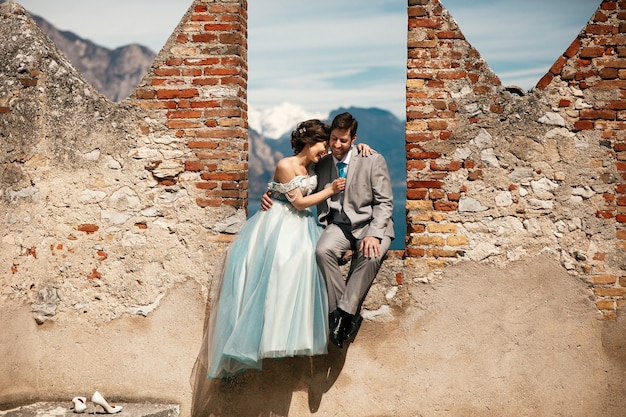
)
(63, 409)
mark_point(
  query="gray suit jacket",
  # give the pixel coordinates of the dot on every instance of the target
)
(368, 198)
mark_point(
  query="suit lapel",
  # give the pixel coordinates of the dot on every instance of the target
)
(324, 171)
(353, 166)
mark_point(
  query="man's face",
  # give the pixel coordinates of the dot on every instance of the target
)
(340, 142)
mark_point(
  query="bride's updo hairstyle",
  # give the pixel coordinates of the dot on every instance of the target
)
(309, 132)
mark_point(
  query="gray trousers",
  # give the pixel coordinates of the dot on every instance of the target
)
(346, 293)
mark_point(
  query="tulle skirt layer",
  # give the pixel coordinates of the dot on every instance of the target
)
(272, 300)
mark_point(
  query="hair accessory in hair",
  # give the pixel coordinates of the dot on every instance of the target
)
(302, 130)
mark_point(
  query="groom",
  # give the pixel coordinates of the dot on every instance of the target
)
(358, 219)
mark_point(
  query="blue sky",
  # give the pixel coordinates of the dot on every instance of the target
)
(328, 53)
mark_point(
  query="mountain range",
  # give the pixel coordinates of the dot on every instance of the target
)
(116, 73)
(113, 72)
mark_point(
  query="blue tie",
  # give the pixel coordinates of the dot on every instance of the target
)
(341, 167)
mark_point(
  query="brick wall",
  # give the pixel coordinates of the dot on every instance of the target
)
(114, 214)
(198, 88)
(111, 205)
(595, 63)
(493, 176)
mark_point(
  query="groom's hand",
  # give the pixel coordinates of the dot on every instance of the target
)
(266, 201)
(370, 247)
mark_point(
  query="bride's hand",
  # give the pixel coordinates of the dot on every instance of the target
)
(339, 185)
(365, 150)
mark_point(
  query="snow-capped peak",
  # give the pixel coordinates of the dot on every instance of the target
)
(275, 121)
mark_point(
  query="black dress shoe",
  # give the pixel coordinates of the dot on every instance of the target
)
(341, 328)
(337, 323)
(335, 336)
(333, 316)
(353, 328)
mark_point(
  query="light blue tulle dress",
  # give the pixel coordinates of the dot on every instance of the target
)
(272, 300)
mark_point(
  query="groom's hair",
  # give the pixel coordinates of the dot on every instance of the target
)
(345, 121)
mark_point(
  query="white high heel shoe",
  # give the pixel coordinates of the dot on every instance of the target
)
(98, 399)
(80, 404)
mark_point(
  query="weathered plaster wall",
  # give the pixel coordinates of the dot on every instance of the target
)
(114, 217)
(100, 229)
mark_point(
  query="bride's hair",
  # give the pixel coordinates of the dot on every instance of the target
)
(309, 132)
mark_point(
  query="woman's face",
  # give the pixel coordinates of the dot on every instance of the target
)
(318, 151)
